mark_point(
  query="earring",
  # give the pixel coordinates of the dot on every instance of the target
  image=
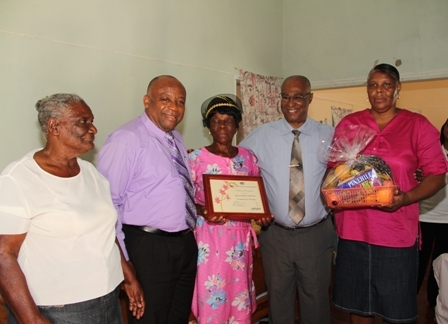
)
(236, 133)
(209, 133)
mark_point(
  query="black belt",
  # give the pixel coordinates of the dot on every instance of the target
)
(156, 231)
(299, 227)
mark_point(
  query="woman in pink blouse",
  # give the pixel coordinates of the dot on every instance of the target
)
(224, 291)
(377, 262)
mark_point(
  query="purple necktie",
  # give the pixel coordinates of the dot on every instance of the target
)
(190, 208)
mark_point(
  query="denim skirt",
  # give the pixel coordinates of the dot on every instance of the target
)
(101, 310)
(376, 280)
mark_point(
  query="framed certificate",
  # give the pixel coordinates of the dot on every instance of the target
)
(235, 197)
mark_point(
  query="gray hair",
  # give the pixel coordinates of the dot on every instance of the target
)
(54, 106)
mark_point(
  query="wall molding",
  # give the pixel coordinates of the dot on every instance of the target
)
(360, 81)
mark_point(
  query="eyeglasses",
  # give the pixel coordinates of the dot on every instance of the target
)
(297, 98)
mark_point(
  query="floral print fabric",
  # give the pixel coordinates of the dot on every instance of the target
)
(224, 290)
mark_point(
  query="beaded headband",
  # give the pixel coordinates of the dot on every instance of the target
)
(230, 100)
(219, 105)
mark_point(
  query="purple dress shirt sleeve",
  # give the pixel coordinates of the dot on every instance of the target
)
(115, 165)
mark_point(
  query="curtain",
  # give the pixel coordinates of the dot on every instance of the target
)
(260, 96)
(338, 113)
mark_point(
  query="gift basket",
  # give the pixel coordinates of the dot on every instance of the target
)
(356, 180)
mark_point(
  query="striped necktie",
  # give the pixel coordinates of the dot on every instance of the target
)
(296, 183)
(190, 208)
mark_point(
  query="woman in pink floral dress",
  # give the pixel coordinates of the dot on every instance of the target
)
(224, 290)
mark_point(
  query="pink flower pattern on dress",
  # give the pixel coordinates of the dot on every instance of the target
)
(236, 256)
(242, 300)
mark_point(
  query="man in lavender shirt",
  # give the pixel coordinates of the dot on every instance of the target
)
(149, 196)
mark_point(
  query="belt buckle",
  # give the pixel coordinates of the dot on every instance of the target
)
(149, 229)
(157, 231)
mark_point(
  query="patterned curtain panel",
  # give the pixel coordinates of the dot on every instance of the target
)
(260, 96)
(338, 113)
